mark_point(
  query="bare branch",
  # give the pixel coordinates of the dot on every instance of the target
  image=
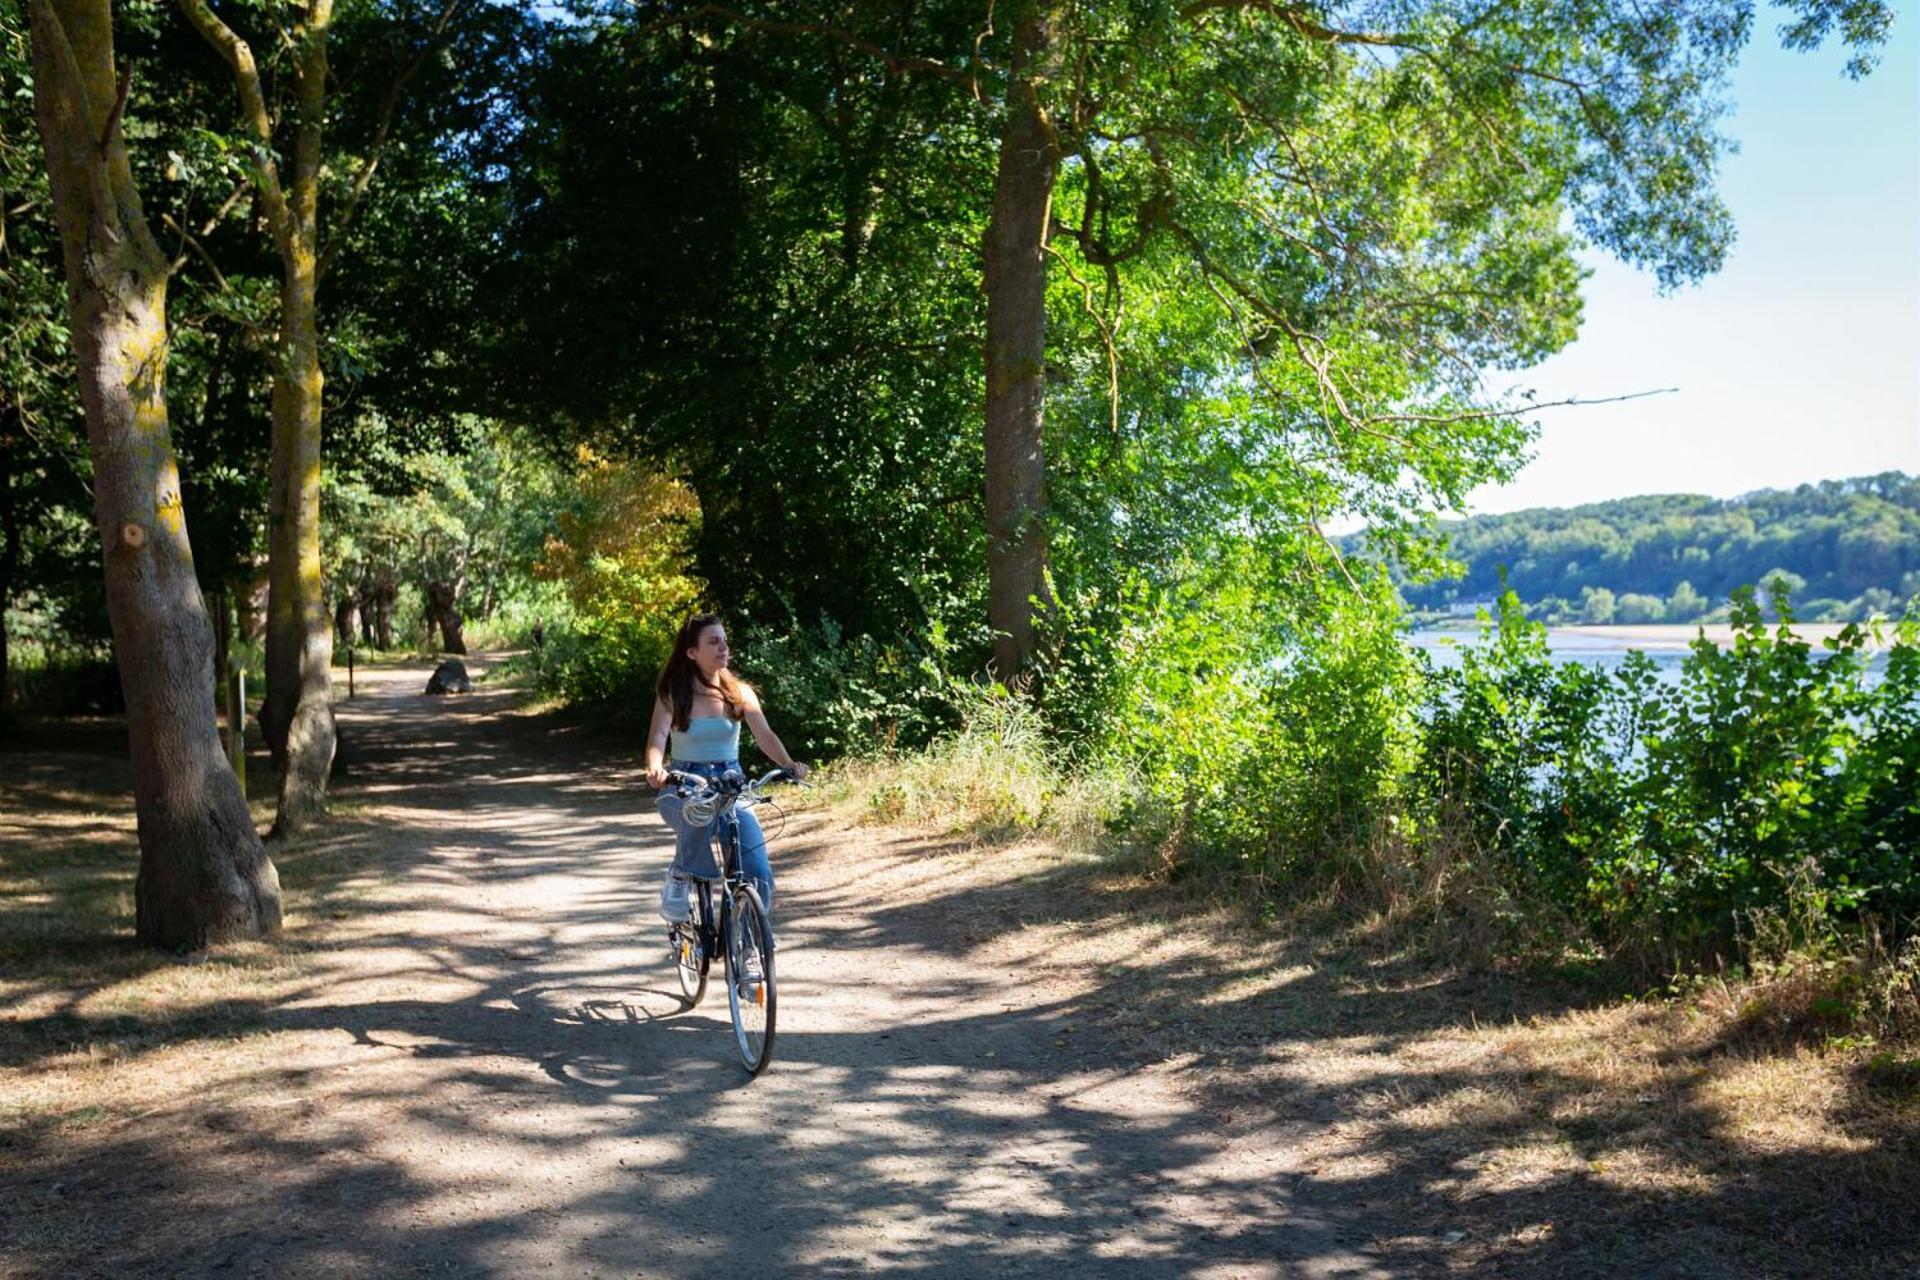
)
(1339, 561)
(1518, 410)
(187, 238)
(226, 207)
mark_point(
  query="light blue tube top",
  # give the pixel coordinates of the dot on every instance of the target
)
(707, 740)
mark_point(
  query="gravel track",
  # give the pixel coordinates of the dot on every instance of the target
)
(487, 1071)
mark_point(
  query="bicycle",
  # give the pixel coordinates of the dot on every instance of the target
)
(742, 937)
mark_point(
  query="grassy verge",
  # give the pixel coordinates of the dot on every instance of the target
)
(1490, 1094)
(91, 1020)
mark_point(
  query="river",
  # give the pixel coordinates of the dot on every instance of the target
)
(1607, 647)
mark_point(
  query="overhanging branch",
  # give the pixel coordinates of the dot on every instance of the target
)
(371, 162)
(895, 63)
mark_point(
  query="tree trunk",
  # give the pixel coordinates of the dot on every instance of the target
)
(385, 592)
(443, 610)
(222, 611)
(203, 877)
(299, 639)
(299, 642)
(345, 613)
(297, 715)
(365, 595)
(10, 433)
(1016, 284)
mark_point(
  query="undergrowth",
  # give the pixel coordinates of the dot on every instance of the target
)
(994, 777)
(1428, 871)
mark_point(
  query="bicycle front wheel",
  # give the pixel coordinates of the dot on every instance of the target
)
(750, 986)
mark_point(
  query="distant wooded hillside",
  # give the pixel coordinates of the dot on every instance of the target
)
(1846, 548)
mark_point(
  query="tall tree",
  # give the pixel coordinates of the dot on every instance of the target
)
(1016, 355)
(204, 876)
(297, 716)
(1373, 190)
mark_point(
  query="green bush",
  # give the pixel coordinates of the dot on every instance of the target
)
(1258, 755)
(603, 662)
(829, 694)
(1768, 780)
(70, 684)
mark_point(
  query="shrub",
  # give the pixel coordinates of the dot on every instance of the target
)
(1666, 815)
(830, 694)
(994, 774)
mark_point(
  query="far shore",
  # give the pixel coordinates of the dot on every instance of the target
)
(1659, 635)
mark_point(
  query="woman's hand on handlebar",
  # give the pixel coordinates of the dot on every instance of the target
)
(656, 776)
(799, 770)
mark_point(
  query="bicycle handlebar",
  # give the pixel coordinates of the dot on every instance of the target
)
(701, 782)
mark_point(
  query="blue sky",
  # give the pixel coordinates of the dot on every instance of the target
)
(1801, 359)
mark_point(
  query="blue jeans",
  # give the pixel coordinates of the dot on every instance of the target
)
(693, 853)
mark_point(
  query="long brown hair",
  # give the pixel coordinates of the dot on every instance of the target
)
(678, 677)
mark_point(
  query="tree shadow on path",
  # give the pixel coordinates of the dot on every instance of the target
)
(471, 1060)
(483, 1071)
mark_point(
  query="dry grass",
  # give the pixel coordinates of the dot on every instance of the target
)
(1519, 1122)
(995, 779)
(1531, 1120)
(96, 1030)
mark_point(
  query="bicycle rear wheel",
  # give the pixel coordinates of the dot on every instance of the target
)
(690, 958)
(750, 986)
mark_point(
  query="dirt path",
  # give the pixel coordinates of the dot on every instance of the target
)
(482, 1068)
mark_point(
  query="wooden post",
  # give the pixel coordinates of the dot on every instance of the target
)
(236, 685)
(239, 729)
(349, 669)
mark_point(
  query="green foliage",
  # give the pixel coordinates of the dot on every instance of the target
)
(1523, 755)
(1767, 795)
(1769, 778)
(1265, 723)
(51, 596)
(609, 553)
(830, 694)
(609, 663)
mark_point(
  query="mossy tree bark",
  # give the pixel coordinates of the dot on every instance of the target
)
(296, 718)
(203, 877)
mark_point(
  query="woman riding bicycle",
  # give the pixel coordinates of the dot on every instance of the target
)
(699, 706)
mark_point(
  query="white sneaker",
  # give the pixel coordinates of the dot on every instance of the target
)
(674, 906)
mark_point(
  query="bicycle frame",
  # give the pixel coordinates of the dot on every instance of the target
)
(740, 923)
(724, 796)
